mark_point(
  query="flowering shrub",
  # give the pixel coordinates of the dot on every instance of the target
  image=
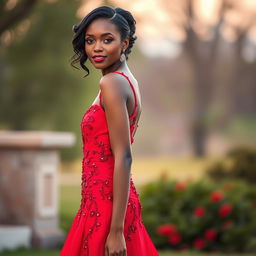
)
(199, 211)
(202, 215)
(216, 196)
(238, 163)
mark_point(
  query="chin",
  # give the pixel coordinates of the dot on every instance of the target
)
(100, 66)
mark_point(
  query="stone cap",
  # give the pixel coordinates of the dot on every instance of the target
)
(36, 139)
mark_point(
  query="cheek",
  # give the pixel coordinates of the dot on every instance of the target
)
(114, 49)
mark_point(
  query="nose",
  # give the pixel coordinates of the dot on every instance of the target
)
(98, 46)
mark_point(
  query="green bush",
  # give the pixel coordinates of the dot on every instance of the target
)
(239, 163)
(201, 216)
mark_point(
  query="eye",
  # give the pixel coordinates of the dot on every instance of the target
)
(108, 40)
(88, 41)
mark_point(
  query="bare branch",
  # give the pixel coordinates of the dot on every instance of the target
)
(12, 17)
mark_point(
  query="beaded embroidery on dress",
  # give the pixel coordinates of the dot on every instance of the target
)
(91, 225)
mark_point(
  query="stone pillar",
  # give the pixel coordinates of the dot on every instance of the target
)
(29, 163)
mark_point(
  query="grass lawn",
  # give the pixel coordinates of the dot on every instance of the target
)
(56, 253)
(30, 253)
(146, 169)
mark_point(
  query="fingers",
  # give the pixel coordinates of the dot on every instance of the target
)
(123, 253)
(106, 251)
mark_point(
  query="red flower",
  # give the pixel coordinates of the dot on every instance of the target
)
(216, 196)
(199, 211)
(166, 229)
(174, 238)
(199, 243)
(225, 210)
(180, 186)
(210, 234)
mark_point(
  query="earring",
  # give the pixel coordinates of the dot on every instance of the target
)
(122, 57)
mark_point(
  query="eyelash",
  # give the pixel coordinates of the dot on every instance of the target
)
(109, 40)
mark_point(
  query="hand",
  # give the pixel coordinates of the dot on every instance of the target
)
(115, 244)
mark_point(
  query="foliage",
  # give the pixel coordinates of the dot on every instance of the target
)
(200, 216)
(70, 197)
(39, 89)
(11, 16)
(239, 163)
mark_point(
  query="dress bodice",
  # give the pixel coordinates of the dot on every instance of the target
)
(94, 128)
(92, 223)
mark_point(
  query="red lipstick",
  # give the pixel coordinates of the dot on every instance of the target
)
(98, 58)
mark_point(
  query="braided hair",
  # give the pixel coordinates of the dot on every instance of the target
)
(123, 20)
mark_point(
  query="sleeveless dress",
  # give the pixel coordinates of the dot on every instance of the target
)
(91, 225)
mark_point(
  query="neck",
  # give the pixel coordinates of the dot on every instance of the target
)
(114, 67)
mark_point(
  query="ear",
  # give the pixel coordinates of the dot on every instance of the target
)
(125, 44)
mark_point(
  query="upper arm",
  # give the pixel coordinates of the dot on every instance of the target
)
(114, 97)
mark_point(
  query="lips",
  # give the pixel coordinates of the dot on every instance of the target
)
(99, 58)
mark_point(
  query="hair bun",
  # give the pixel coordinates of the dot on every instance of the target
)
(131, 22)
(75, 28)
(129, 18)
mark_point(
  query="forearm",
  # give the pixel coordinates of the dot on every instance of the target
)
(121, 185)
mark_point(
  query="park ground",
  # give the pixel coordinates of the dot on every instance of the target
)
(143, 171)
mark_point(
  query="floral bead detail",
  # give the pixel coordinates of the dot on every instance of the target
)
(133, 207)
(102, 142)
(98, 160)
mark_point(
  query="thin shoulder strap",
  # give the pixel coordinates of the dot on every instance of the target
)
(135, 98)
(100, 98)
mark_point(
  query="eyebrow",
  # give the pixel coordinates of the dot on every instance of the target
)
(104, 34)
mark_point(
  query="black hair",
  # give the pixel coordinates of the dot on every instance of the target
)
(121, 18)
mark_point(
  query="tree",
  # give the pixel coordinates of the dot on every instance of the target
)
(202, 50)
(12, 14)
(202, 42)
(40, 90)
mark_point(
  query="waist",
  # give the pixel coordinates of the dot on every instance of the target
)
(99, 155)
(103, 184)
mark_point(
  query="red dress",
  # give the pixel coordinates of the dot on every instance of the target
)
(91, 225)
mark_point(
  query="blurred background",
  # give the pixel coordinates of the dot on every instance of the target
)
(195, 61)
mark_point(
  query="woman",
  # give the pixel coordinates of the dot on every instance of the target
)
(109, 221)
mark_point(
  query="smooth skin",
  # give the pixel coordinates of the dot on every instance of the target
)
(103, 38)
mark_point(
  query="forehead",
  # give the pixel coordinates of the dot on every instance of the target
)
(100, 26)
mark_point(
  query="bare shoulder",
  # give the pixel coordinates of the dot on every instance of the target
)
(113, 82)
(113, 90)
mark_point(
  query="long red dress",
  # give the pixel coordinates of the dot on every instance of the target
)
(91, 225)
